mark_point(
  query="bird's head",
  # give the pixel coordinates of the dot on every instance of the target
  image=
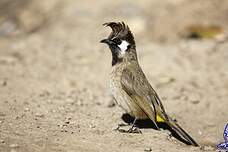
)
(121, 42)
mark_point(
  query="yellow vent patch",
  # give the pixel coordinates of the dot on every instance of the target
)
(159, 119)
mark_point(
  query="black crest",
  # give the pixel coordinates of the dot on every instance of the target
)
(120, 30)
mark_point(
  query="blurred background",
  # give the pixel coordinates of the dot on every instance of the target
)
(54, 91)
(165, 21)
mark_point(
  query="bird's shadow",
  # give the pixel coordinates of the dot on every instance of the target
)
(143, 123)
(147, 123)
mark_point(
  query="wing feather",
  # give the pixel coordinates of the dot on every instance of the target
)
(135, 84)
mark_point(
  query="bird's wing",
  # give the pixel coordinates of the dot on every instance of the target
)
(136, 85)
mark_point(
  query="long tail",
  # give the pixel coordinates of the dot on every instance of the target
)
(180, 133)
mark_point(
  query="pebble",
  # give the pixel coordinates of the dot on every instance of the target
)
(14, 146)
(70, 101)
(195, 101)
(39, 115)
(147, 150)
(26, 109)
(111, 103)
(92, 126)
(166, 80)
(79, 102)
(4, 83)
(49, 101)
(200, 132)
(208, 148)
(54, 111)
(2, 141)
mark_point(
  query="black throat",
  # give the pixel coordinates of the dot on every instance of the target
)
(115, 58)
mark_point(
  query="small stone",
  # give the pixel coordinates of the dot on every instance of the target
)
(45, 93)
(53, 110)
(79, 102)
(195, 101)
(68, 118)
(14, 146)
(39, 115)
(60, 126)
(165, 80)
(98, 103)
(57, 139)
(147, 150)
(49, 101)
(92, 126)
(111, 103)
(67, 122)
(77, 126)
(2, 141)
(26, 109)
(208, 148)
(4, 83)
(70, 101)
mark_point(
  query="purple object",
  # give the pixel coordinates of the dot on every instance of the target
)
(224, 145)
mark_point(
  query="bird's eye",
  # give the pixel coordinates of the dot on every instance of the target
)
(116, 40)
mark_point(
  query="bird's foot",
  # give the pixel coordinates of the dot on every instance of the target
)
(131, 130)
(170, 137)
(134, 130)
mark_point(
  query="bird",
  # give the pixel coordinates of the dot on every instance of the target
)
(130, 87)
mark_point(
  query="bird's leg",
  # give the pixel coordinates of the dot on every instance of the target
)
(133, 128)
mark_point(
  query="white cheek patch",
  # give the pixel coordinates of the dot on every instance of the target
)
(123, 46)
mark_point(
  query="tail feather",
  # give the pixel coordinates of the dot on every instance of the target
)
(180, 133)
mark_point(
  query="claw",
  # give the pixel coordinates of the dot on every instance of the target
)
(134, 130)
(131, 130)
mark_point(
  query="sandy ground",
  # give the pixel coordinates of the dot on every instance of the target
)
(54, 76)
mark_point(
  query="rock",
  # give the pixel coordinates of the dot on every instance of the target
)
(14, 146)
(208, 148)
(92, 126)
(147, 150)
(195, 101)
(70, 101)
(111, 103)
(26, 109)
(4, 83)
(79, 102)
(39, 115)
(165, 80)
